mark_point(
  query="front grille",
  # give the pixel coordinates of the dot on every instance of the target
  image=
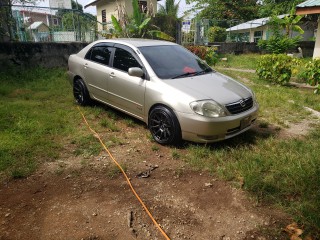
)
(240, 106)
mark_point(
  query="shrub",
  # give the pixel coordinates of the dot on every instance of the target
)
(276, 68)
(279, 44)
(206, 53)
(217, 34)
(312, 73)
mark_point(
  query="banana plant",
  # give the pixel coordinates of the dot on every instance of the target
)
(137, 25)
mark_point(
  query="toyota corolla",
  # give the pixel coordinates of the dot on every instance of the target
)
(164, 85)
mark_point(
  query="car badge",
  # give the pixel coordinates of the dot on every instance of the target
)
(242, 103)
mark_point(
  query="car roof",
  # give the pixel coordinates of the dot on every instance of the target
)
(137, 42)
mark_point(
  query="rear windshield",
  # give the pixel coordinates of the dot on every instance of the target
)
(173, 61)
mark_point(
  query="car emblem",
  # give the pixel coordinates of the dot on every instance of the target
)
(242, 103)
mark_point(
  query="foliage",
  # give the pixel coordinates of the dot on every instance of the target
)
(169, 9)
(276, 68)
(243, 10)
(312, 73)
(206, 53)
(166, 24)
(279, 42)
(217, 34)
(269, 7)
(137, 25)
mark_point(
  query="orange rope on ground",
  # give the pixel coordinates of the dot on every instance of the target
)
(126, 177)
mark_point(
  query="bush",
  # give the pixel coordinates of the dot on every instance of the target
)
(206, 53)
(276, 68)
(279, 44)
(312, 73)
(217, 34)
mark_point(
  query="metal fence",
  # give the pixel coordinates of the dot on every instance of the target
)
(43, 24)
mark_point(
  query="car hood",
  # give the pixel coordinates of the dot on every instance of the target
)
(215, 86)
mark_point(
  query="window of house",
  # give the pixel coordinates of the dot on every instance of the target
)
(55, 21)
(143, 6)
(103, 14)
(123, 60)
(257, 35)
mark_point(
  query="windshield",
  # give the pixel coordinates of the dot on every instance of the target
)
(173, 61)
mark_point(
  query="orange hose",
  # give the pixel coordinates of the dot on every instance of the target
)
(126, 177)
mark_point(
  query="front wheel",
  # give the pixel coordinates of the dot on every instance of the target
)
(164, 126)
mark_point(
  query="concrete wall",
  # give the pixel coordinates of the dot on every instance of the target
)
(50, 55)
(37, 54)
(246, 47)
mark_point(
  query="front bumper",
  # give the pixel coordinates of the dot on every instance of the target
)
(201, 129)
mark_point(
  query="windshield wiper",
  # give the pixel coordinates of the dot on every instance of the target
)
(207, 70)
(184, 75)
(203, 72)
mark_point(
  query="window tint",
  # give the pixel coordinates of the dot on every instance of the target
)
(101, 55)
(123, 60)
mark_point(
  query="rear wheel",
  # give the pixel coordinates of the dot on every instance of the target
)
(80, 92)
(164, 126)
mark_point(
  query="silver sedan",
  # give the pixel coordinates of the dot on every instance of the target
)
(161, 83)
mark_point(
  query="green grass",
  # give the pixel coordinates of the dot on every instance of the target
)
(38, 118)
(245, 61)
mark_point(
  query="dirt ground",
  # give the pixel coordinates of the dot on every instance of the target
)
(78, 197)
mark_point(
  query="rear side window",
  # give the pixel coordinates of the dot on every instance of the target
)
(123, 60)
(100, 54)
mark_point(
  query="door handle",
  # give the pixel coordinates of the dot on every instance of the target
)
(112, 75)
(85, 65)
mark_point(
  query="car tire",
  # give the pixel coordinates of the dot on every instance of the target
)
(164, 126)
(80, 92)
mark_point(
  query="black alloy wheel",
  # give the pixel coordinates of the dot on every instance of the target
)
(164, 126)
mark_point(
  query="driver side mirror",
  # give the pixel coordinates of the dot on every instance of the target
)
(135, 72)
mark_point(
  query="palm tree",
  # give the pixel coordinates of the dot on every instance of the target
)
(170, 8)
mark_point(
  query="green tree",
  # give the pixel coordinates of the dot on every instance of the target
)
(281, 42)
(169, 8)
(242, 10)
(217, 34)
(269, 7)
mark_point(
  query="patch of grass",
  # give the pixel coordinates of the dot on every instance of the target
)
(110, 124)
(36, 109)
(115, 171)
(175, 154)
(244, 61)
(87, 145)
(155, 148)
(130, 122)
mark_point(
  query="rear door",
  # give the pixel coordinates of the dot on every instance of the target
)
(126, 92)
(97, 69)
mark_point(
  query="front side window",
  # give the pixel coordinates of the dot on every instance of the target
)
(173, 61)
(100, 54)
(123, 60)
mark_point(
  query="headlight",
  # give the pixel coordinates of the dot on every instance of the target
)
(207, 108)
